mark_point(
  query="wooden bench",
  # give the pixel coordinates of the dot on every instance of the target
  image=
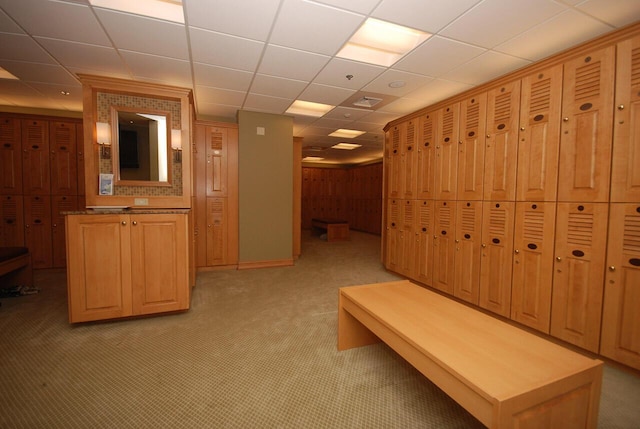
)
(504, 376)
(337, 230)
(15, 266)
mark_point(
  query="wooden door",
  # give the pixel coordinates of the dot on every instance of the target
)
(409, 159)
(59, 205)
(98, 267)
(217, 225)
(444, 246)
(424, 241)
(393, 219)
(625, 172)
(64, 158)
(621, 319)
(12, 218)
(539, 144)
(501, 151)
(473, 118)
(497, 262)
(80, 161)
(406, 243)
(446, 163)
(580, 248)
(586, 132)
(160, 263)
(216, 147)
(10, 157)
(36, 162)
(533, 264)
(37, 227)
(468, 250)
(393, 138)
(426, 156)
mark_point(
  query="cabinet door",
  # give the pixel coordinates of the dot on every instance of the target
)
(60, 204)
(80, 160)
(409, 159)
(501, 154)
(468, 250)
(579, 273)
(533, 264)
(426, 156)
(37, 211)
(625, 173)
(621, 319)
(160, 263)
(393, 168)
(444, 246)
(406, 243)
(216, 149)
(497, 262)
(216, 231)
(540, 112)
(10, 157)
(473, 117)
(424, 241)
(586, 132)
(446, 169)
(12, 218)
(98, 267)
(393, 219)
(64, 171)
(35, 157)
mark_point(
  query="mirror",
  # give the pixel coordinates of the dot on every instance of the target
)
(141, 147)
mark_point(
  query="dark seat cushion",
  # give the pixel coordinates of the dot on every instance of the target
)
(7, 253)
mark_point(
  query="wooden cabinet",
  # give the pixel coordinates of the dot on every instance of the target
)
(121, 265)
(424, 241)
(217, 232)
(621, 319)
(444, 246)
(80, 161)
(64, 158)
(446, 162)
(393, 247)
(37, 227)
(473, 114)
(393, 140)
(12, 218)
(406, 239)
(10, 156)
(409, 159)
(426, 156)
(36, 178)
(60, 204)
(468, 250)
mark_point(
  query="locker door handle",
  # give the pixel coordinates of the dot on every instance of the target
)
(621, 107)
(612, 268)
(558, 258)
(516, 251)
(134, 223)
(484, 245)
(565, 119)
(124, 222)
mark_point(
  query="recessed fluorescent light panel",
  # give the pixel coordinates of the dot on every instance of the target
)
(6, 75)
(312, 158)
(168, 10)
(346, 146)
(381, 43)
(308, 108)
(346, 134)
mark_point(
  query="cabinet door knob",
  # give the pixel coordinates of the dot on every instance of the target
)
(124, 222)
(612, 268)
(621, 107)
(558, 258)
(516, 251)
(565, 119)
(521, 128)
(484, 245)
(134, 222)
(457, 241)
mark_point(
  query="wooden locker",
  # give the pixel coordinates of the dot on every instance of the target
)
(217, 231)
(80, 161)
(10, 157)
(625, 172)
(394, 167)
(12, 218)
(37, 226)
(426, 156)
(539, 144)
(586, 132)
(406, 245)
(473, 117)
(497, 262)
(501, 151)
(393, 219)
(446, 162)
(216, 152)
(36, 163)
(580, 248)
(59, 205)
(64, 158)
(621, 318)
(444, 246)
(409, 157)
(468, 250)
(533, 264)
(424, 241)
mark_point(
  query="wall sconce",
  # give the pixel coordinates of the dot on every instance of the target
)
(103, 135)
(176, 145)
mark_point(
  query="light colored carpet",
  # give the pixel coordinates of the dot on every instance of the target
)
(257, 349)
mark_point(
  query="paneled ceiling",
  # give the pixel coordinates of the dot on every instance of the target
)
(261, 55)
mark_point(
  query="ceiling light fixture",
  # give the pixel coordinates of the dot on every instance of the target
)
(397, 84)
(381, 43)
(168, 10)
(312, 158)
(308, 108)
(346, 146)
(6, 75)
(346, 134)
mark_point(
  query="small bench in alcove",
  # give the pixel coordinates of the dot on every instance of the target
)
(337, 230)
(15, 266)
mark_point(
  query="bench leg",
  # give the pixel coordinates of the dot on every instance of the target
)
(352, 333)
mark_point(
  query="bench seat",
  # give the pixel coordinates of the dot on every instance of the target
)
(337, 229)
(15, 266)
(504, 376)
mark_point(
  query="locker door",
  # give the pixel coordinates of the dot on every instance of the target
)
(447, 138)
(394, 181)
(533, 264)
(501, 152)
(80, 161)
(409, 159)
(216, 152)
(406, 246)
(426, 156)
(586, 132)
(10, 157)
(473, 117)
(468, 250)
(540, 112)
(217, 226)
(424, 241)
(60, 204)
(621, 319)
(392, 262)
(35, 157)
(37, 210)
(444, 246)
(580, 247)
(625, 173)
(497, 262)
(12, 218)
(64, 162)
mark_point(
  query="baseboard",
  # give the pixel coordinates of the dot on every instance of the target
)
(265, 264)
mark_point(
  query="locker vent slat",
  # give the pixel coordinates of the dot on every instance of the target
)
(216, 141)
(427, 129)
(425, 215)
(411, 133)
(631, 240)
(62, 135)
(502, 111)
(533, 226)
(6, 132)
(445, 217)
(9, 209)
(35, 134)
(580, 229)
(635, 67)
(473, 117)
(408, 214)
(468, 219)
(395, 138)
(497, 221)
(447, 124)
(588, 81)
(540, 96)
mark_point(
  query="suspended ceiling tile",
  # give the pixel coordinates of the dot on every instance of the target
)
(493, 22)
(219, 49)
(55, 92)
(166, 70)
(336, 71)
(277, 87)
(291, 63)
(36, 72)
(618, 13)
(404, 106)
(551, 36)
(412, 82)
(264, 103)
(220, 96)
(333, 124)
(247, 18)
(426, 15)
(347, 113)
(438, 90)
(217, 111)
(487, 66)
(145, 35)
(379, 118)
(358, 6)
(82, 55)
(221, 77)
(437, 56)
(325, 94)
(308, 22)
(7, 25)
(21, 47)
